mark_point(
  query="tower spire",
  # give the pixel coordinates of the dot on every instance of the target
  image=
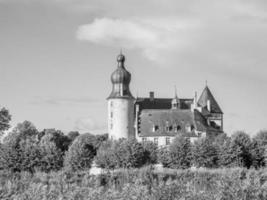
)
(175, 92)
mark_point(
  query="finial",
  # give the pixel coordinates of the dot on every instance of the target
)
(121, 59)
(121, 51)
(175, 91)
(206, 83)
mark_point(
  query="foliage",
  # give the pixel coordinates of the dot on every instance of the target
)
(150, 152)
(164, 156)
(57, 137)
(125, 154)
(144, 183)
(81, 152)
(261, 138)
(19, 151)
(5, 118)
(72, 135)
(205, 154)
(130, 154)
(180, 153)
(235, 151)
(51, 156)
(106, 157)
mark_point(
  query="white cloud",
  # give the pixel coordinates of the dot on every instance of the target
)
(151, 36)
(89, 124)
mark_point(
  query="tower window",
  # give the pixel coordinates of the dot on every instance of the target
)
(111, 114)
(111, 125)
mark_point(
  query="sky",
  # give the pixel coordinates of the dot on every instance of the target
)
(56, 57)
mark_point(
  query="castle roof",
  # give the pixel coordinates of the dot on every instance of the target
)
(178, 120)
(161, 103)
(207, 95)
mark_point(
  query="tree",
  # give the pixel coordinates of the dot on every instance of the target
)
(164, 156)
(258, 149)
(72, 135)
(205, 153)
(257, 154)
(235, 152)
(106, 157)
(18, 148)
(52, 157)
(61, 141)
(180, 153)
(150, 152)
(5, 118)
(81, 153)
(130, 153)
(30, 155)
(100, 139)
(261, 138)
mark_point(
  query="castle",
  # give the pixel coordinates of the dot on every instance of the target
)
(159, 119)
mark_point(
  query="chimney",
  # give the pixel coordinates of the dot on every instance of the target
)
(208, 105)
(151, 96)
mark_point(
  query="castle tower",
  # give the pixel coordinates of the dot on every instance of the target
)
(120, 103)
(211, 108)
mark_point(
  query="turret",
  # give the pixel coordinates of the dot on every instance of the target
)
(120, 103)
(176, 104)
(211, 108)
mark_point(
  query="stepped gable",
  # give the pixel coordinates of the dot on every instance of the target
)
(207, 95)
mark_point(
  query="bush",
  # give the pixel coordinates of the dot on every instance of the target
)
(81, 153)
(180, 153)
(205, 154)
(238, 184)
(150, 152)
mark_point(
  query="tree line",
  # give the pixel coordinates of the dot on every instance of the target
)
(27, 149)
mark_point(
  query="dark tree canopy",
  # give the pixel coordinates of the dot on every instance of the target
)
(180, 153)
(81, 152)
(205, 153)
(5, 118)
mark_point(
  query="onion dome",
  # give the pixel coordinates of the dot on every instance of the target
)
(121, 75)
(120, 79)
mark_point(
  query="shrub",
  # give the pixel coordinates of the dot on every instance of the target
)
(106, 157)
(130, 154)
(205, 154)
(180, 153)
(150, 152)
(81, 153)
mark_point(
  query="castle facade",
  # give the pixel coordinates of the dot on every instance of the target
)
(159, 119)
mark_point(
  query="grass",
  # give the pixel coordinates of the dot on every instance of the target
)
(144, 183)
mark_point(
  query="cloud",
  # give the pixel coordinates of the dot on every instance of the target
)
(151, 36)
(62, 100)
(89, 124)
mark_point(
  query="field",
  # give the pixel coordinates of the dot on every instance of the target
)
(144, 183)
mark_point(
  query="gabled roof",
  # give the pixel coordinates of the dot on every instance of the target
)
(171, 117)
(207, 95)
(161, 103)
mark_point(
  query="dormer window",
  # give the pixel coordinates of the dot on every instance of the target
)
(155, 128)
(168, 128)
(188, 128)
(177, 128)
